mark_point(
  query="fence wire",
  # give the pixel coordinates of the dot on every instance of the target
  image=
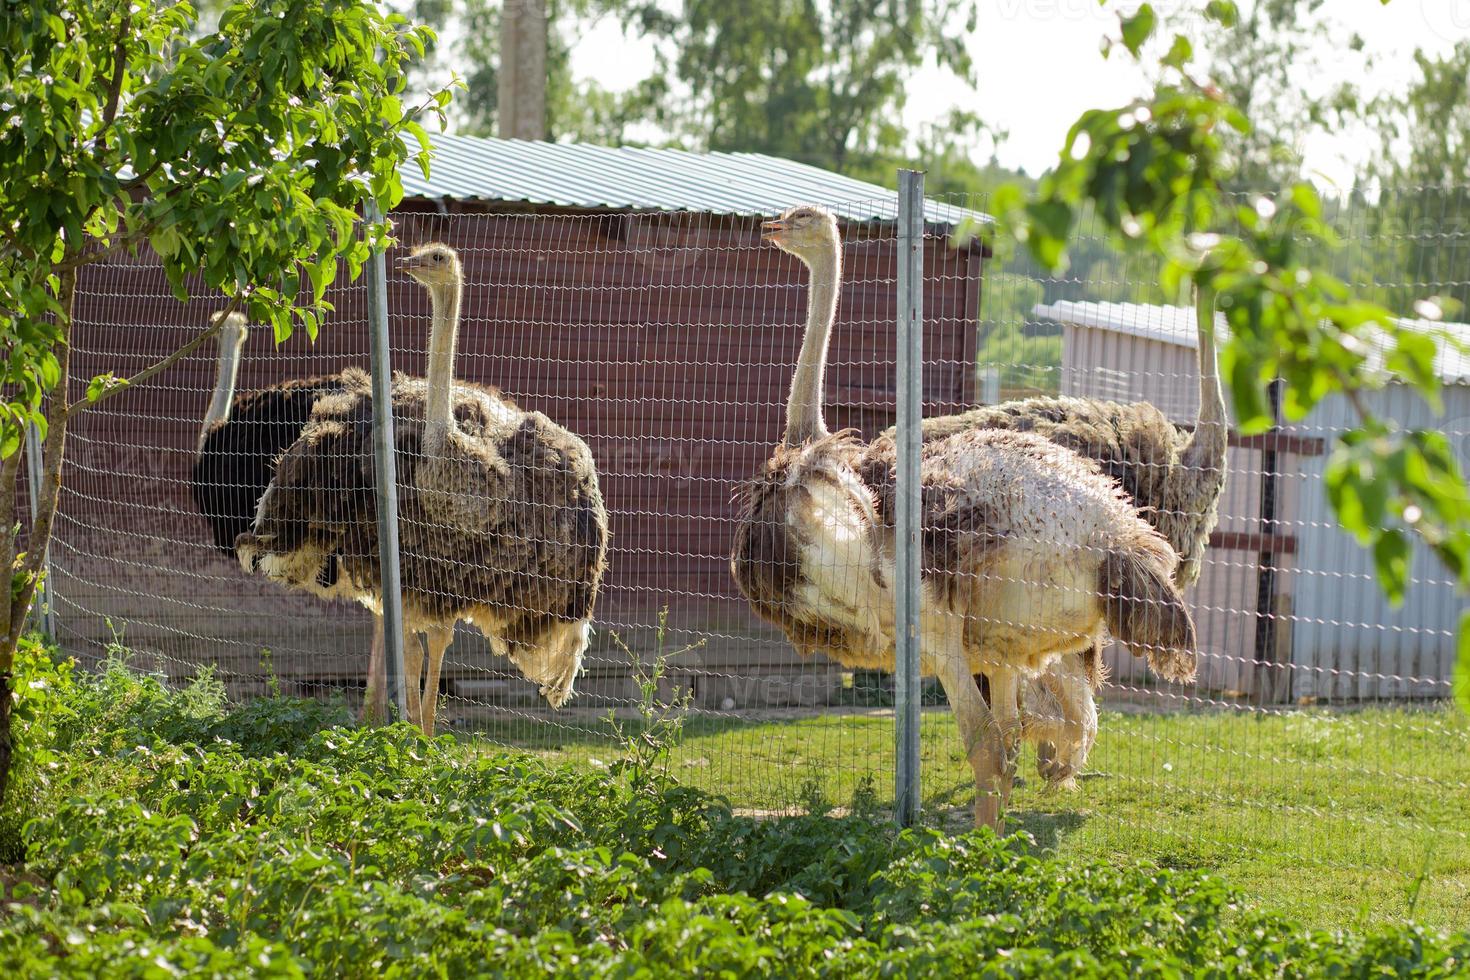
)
(1315, 732)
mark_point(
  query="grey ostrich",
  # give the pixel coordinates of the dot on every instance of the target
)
(240, 440)
(1030, 553)
(501, 520)
(1174, 475)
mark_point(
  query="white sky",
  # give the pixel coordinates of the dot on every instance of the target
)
(1040, 66)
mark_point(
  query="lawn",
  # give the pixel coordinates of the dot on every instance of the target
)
(1333, 817)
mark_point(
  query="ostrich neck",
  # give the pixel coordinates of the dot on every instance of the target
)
(224, 382)
(804, 405)
(443, 336)
(1205, 450)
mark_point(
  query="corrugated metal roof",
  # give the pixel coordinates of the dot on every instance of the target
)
(583, 175)
(1175, 325)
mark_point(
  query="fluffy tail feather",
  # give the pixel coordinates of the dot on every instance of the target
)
(1145, 610)
(554, 659)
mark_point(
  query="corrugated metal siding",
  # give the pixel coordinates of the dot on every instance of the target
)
(1347, 641)
(1341, 637)
(1175, 325)
(1100, 363)
(582, 175)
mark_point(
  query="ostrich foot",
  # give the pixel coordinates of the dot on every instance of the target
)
(988, 811)
(1050, 765)
(992, 787)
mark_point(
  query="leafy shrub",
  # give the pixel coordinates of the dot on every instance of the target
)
(43, 686)
(118, 707)
(279, 850)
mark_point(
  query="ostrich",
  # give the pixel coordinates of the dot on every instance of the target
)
(501, 521)
(1174, 475)
(1029, 551)
(239, 443)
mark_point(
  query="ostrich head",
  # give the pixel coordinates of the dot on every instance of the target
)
(436, 265)
(232, 331)
(805, 231)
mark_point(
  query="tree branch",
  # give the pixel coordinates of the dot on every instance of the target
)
(114, 84)
(39, 539)
(16, 245)
(126, 240)
(160, 366)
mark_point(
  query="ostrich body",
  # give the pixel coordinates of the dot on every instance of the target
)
(1030, 553)
(1174, 475)
(239, 442)
(501, 521)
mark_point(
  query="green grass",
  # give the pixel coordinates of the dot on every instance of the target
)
(1335, 818)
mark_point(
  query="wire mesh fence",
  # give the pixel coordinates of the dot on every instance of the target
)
(1315, 732)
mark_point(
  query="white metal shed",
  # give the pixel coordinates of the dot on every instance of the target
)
(1286, 608)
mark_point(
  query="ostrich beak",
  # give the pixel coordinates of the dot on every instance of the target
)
(771, 230)
(411, 262)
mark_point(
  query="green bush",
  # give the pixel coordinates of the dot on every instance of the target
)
(284, 849)
(43, 688)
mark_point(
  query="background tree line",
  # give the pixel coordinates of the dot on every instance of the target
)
(826, 83)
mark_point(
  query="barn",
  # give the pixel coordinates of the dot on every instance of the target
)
(625, 293)
(1287, 605)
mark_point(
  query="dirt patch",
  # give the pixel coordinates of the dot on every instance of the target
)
(12, 876)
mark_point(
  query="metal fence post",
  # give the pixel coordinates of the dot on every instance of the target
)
(906, 545)
(385, 472)
(45, 608)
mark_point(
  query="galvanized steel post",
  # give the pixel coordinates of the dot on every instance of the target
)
(45, 595)
(385, 472)
(906, 542)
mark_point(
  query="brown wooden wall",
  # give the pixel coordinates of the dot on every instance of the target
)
(666, 341)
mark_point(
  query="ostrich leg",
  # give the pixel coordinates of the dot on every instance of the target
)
(978, 733)
(438, 637)
(1065, 715)
(1005, 686)
(375, 695)
(413, 666)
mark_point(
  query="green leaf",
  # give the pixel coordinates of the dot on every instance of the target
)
(102, 384)
(1391, 554)
(11, 435)
(1224, 12)
(165, 241)
(1180, 52)
(1138, 28)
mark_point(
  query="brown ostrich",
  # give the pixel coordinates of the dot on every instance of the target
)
(501, 521)
(1030, 553)
(239, 442)
(1174, 475)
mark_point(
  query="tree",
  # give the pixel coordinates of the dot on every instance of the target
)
(1264, 57)
(241, 154)
(823, 83)
(1426, 146)
(583, 111)
(1155, 173)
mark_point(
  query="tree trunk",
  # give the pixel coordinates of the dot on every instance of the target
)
(39, 538)
(5, 740)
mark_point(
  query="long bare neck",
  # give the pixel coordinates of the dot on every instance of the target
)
(1207, 444)
(804, 420)
(443, 336)
(231, 341)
